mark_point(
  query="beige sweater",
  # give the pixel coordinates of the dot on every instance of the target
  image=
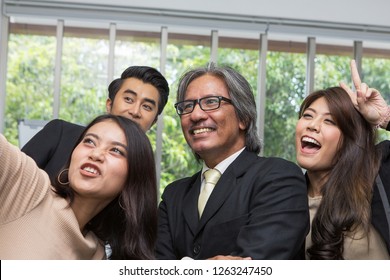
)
(357, 246)
(35, 223)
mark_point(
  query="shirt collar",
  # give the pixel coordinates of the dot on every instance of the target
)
(223, 165)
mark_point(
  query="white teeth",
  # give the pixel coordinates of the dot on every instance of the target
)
(202, 130)
(311, 140)
(90, 169)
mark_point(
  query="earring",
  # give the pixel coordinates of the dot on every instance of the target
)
(60, 175)
(120, 205)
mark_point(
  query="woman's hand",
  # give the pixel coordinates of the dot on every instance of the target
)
(368, 101)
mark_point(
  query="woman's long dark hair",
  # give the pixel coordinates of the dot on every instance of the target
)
(129, 222)
(346, 195)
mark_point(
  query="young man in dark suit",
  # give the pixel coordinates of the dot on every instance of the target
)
(140, 94)
(258, 208)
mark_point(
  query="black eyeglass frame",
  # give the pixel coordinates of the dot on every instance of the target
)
(198, 101)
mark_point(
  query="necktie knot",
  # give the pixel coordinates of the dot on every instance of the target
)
(212, 176)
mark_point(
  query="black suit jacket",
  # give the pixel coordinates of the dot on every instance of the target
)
(52, 146)
(378, 215)
(258, 209)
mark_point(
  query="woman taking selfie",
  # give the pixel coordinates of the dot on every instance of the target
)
(106, 194)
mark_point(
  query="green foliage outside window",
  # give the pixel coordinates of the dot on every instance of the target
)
(30, 78)
(29, 88)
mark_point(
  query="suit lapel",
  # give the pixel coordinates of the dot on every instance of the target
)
(190, 203)
(226, 184)
(219, 195)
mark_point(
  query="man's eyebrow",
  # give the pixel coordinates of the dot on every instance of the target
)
(130, 91)
(150, 100)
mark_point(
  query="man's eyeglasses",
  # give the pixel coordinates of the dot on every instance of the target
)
(205, 103)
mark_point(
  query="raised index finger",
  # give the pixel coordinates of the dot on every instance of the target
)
(355, 75)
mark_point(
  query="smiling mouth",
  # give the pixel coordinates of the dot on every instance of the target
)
(309, 143)
(201, 130)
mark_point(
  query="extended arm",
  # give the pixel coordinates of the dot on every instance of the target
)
(22, 184)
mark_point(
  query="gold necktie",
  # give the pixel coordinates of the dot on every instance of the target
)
(211, 177)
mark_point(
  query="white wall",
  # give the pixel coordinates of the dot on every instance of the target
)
(371, 12)
(329, 21)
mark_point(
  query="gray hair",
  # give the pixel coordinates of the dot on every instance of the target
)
(240, 92)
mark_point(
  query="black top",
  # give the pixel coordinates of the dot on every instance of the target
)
(52, 146)
(379, 219)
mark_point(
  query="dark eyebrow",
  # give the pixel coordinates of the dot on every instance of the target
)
(116, 143)
(119, 144)
(132, 92)
(150, 101)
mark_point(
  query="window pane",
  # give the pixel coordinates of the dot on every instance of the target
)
(285, 90)
(245, 61)
(330, 70)
(29, 80)
(133, 49)
(178, 159)
(376, 75)
(84, 79)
